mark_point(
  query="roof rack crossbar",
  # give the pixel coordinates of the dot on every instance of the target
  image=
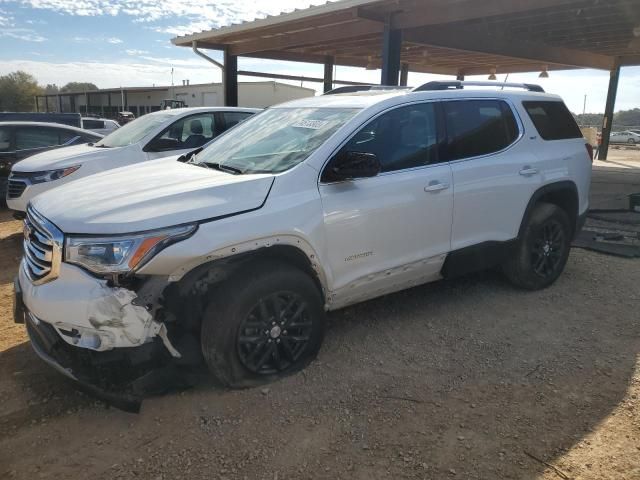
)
(457, 85)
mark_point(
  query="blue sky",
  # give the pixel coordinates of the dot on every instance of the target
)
(116, 43)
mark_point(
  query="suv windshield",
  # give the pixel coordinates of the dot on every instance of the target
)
(134, 131)
(275, 140)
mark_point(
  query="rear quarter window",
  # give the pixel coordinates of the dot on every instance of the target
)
(93, 124)
(553, 120)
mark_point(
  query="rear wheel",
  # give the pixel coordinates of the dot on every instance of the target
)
(543, 249)
(631, 141)
(264, 323)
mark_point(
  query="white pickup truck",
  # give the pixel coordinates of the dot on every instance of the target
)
(234, 257)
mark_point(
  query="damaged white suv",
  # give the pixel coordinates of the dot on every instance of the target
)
(233, 257)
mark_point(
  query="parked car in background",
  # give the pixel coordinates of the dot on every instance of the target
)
(19, 140)
(626, 136)
(152, 136)
(234, 258)
(71, 119)
(125, 117)
(102, 126)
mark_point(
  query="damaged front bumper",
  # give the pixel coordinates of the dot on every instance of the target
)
(95, 335)
(87, 313)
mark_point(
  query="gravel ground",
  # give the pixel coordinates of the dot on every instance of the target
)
(465, 379)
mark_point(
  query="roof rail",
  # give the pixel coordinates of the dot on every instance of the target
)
(363, 88)
(458, 85)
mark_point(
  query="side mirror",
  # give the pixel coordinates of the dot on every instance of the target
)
(189, 155)
(352, 165)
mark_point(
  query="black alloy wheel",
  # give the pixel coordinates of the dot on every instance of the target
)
(275, 334)
(547, 251)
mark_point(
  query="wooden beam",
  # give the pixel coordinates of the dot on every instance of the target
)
(495, 45)
(353, 29)
(516, 68)
(458, 11)
(629, 60)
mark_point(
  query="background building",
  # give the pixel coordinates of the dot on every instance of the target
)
(140, 100)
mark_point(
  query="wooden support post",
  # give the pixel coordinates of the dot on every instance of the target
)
(404, 74)
(603, 149)
(230, 79)
(328, 74)
(391, 45)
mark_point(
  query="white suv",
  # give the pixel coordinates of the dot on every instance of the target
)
(153, 136)
(235, 256)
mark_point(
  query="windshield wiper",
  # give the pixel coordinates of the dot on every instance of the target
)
(225, 168)
(100, 146)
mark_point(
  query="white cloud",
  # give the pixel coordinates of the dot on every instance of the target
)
(6, 19)
(133, 51)
(186, 16)
(114, 40)
(23, 34)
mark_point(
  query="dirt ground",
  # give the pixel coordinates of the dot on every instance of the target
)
(465, 379)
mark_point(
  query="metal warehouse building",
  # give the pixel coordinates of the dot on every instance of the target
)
(140, 100)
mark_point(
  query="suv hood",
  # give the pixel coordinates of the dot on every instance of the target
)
(62, 157)
(151, 195)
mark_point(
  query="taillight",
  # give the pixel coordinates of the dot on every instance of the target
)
(589, 151)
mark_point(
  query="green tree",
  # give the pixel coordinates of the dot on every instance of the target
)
(78, 87)
(17, 90)
(51, 89)
(628, 118)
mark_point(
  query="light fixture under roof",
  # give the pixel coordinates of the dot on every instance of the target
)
(370, 64)
(492, 74)
(544, 73)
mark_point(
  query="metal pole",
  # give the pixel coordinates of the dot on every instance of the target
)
(230, 75)
(391, 46)
(404, 74)
(328, 74)
(607, 122)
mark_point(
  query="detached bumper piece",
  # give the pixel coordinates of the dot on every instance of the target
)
(119, 377)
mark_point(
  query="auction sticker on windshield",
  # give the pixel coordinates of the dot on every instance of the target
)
(312, 124)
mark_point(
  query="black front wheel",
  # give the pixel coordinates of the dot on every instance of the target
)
(266, 322)
(542, 250)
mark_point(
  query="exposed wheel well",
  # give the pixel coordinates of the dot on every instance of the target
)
(188, 297)
(562, 194)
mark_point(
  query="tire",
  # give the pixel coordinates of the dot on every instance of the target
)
(631, 141)
(240, 328)
(542, 250)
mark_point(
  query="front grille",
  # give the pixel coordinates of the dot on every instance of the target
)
(16, 188)
(42, 248)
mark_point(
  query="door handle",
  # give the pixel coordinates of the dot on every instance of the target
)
(527, 171)
(436, 186)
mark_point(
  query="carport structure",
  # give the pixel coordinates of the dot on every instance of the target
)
(451, 37)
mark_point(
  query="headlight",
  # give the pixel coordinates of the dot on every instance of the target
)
(124, 253)
(50, 175)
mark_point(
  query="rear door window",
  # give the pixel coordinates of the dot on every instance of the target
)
(478, 127)
(553, 120)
